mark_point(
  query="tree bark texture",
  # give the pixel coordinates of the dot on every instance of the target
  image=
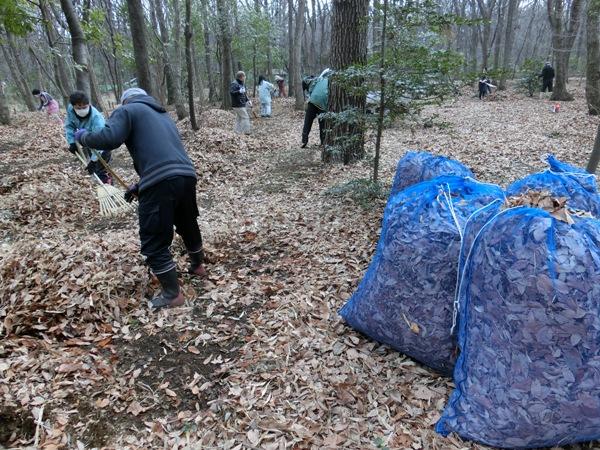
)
(212, 94)
(16, 72)
(297, 55)
(486, 9)
(595, 156)
(137, 22)
(58, 61)
(498, 33)
(513, 7)
(78, 47)
(225, 39)
(592, 79)
(190, 63)
(348, 47)
(4, 110)
(564, 25)
(291, 43)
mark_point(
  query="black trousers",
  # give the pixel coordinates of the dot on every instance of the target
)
(98, 167)
(547, 84)
(309, 116)
(172, 202)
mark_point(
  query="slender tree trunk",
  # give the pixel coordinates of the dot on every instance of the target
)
(60, 69)
(348, 47)
(322, 37)
(474, 41)
(498, 33)
(595, 156)
(190, 63)
(291, 67)
(16, 72)
(513, 8)
(564, 32)
(137, 23)
(4, 110)
(225, 38)
(95, 90)
(112, 60)
(486, 11)
(297, 55)
(381, 95)
(212, 94)
(79, 48)
(592, 80)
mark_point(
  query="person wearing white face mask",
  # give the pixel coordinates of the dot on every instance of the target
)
(82, 115)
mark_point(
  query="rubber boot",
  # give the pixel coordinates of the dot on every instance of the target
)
(197, 264)
(170, 295)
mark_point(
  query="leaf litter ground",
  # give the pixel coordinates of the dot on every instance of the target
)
(258, 357)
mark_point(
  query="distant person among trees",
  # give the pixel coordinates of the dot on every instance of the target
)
(318, 91)
(47, 103)
(547, 76)
(484, 86)
(82, 115)
(280, 86)
(265, 89)
(240, 104)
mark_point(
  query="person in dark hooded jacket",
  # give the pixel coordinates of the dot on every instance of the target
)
(166, 190)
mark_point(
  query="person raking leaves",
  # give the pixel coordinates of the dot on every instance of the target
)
(82, 115)
(166, 190)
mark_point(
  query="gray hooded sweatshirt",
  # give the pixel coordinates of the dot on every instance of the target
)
(151, 137)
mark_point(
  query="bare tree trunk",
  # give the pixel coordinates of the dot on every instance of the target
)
(381, 94)
(513, 8)
(498, 33)
(79, 48)
(563, 37)
(474, 41)
(225, 38)
(60, 69)
(291, 68)
(190, 63)
(592, 80)
(112, 60)
(137, 23)
(348, 47)
(595, 156)
(212, 94)
(4, 110)
(297, 54)
(95, 90)
(486, 10)
(17, 73)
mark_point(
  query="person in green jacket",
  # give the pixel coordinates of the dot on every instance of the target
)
(318, 91)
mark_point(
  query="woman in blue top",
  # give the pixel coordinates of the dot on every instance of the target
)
(82, 115)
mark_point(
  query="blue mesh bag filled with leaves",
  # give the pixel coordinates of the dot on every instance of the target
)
(574, 187)
(586, 179)
(528, 374)
(415, 167)
(406, 297)
(562, 180)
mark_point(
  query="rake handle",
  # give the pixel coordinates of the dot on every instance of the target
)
(109, 170)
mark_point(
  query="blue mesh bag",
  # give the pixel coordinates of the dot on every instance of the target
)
(528, 374)
(406, 297)
(415, 167)
(561, 184)
(586, 179)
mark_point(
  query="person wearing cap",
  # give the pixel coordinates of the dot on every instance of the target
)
(166, 190)
(82, 115)
(47, 103)
(547, 76)
(240, 103)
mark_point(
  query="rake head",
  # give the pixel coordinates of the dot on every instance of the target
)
(112, 202)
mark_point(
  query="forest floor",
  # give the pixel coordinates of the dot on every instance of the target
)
(258, 357)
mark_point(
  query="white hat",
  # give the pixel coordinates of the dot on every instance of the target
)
(132, 92)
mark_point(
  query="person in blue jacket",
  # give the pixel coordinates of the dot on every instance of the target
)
(167, 188)
(265, 90)
(82, 115)
(318, 91)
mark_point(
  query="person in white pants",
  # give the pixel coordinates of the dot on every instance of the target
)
(240, 103)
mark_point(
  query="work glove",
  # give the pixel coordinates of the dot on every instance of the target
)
(92, 167)
(131, 192)
(73, 148)
(79, 134)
